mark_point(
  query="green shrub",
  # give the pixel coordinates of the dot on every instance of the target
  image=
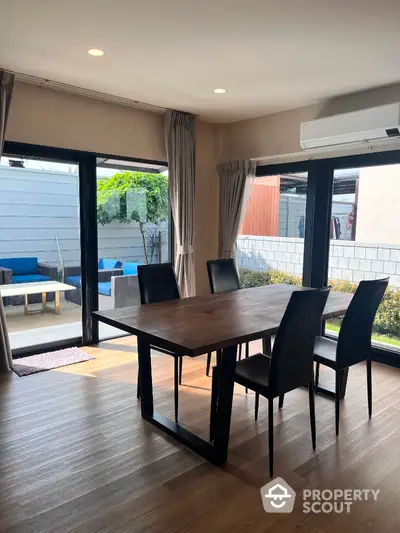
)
(253, 278)
(277, 277)
(387, 320)
(341, 285)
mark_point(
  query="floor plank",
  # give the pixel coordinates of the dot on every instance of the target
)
(75, 455)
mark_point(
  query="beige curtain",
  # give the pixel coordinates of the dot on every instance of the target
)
(179, 141)
(6, 88)
(236, 179)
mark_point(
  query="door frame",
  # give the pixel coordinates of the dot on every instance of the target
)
(87, 164)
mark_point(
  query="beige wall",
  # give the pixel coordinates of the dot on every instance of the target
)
(378, 205)
(279, 134)
(52, 118)
(207, 203)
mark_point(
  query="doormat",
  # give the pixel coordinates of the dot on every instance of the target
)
(49, 360)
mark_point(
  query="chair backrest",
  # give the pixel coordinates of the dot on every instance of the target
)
(21, 266)
(157, 283)
(354, 341)
(107, 264)
(293, 351)
(130, 268)
(222, 275)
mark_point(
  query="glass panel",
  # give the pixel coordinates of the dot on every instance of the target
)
(133, 229)
(270, 246)
(365, 241)
(39, 241)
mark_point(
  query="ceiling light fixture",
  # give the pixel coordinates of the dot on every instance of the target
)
(95, 52)
(220, 91)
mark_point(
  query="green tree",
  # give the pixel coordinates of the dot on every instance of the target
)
(133, 196)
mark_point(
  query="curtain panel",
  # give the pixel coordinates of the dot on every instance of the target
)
(6, 89)
(236, 179)
(180, 147)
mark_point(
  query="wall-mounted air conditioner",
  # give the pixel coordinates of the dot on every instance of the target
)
(366, 126)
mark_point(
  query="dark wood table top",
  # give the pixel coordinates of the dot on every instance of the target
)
(194, 326)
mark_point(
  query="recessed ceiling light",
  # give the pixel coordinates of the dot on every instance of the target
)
(220, 91)
(96, 52)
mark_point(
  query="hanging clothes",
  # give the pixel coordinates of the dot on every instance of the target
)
(301, 226)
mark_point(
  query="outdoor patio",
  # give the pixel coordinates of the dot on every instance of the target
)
(39, 327)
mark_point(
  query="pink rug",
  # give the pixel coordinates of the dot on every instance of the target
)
(49, 360)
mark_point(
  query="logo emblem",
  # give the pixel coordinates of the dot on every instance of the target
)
(278, 497)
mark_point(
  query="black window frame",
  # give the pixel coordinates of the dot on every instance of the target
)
(318, 214)
(87, 164)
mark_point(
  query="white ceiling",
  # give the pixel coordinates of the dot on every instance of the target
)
(270, 55)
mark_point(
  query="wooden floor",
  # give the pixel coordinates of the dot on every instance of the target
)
(75, 455)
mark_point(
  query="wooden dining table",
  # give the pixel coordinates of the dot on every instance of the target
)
(195, 326)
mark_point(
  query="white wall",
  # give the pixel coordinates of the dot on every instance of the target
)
(351, 261)
(279, 134)
(37, 205)
(378, 205)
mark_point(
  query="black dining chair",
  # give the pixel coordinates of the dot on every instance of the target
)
(223, 277)
(158, 283)
(291, 363)
(354, 341)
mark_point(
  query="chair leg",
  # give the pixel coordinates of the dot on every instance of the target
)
(317, 374)
(257, 405)
(180, 369)
(369, 386)
(281, 398)
(271, 436)
(246, 356)
(208, 364)
(177, 365)
(337, 401)
(311, 398)
(138, 386)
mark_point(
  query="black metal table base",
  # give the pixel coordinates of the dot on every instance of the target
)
(217, 451)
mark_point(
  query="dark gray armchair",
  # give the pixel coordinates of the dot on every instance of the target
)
(72, 276)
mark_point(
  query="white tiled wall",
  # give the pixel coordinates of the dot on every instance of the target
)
(348, 260)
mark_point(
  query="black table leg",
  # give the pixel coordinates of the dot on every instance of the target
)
(223, 383)
(145, 377)
(225, 377)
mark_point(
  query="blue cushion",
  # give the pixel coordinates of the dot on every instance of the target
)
(74, 280)
(28, 278)
(21, 265)
(109, 263)
(105, 288)
(130, 268)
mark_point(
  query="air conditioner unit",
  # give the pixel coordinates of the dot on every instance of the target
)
(366, 126)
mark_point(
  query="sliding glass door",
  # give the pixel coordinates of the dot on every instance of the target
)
(133, 229)
(351, 233)
(73, 228)
(39, 243)
(365, 242)
(270, 246)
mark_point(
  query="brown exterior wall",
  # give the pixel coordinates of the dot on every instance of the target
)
(262, 214)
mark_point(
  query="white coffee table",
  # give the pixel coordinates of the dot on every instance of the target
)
(39, 287)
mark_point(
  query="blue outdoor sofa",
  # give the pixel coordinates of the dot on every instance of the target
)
(25, 270)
